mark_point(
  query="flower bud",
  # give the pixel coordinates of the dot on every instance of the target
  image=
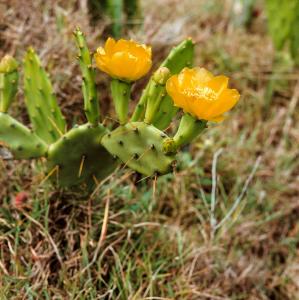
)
(8, 64)
(161, 75)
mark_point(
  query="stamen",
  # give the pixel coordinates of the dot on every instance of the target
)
(204, 93)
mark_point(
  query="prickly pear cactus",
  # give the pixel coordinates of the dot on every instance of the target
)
(88, 153)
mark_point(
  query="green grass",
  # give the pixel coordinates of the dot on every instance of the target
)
(160, 242)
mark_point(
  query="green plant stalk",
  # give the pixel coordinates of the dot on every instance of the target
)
(91, 102)
(133, 11)
(283, 22)
(294, 36)
(115, 10)
(121, 92)
(141, 105)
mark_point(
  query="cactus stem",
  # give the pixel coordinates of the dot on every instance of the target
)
(121, 96)
(188, 130)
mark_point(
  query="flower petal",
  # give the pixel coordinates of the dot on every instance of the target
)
(123, 65)
(217, 119)
(172, 88)
(227, 100)
(109, 46)
(218, 83)
(102, 60)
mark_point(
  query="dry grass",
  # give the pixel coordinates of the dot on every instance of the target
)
(160, 241)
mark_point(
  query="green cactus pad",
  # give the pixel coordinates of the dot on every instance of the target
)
(139, 146)
(80, 148)
(165, 114)
(23, 143)
(44, 112)
(91, 103)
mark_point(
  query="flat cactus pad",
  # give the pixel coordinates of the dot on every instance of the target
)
(79, 157)
(139, 146)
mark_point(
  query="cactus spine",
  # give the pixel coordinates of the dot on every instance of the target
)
(44, 112)
(9, 77)
(91, 102)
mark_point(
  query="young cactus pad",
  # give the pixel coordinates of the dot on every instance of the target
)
(44, 112)
(91, 103)
(139, 146)
(79, 157)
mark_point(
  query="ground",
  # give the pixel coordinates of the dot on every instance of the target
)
(158, 239)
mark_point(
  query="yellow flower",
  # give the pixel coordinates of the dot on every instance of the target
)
(124, 59)
(201, 94)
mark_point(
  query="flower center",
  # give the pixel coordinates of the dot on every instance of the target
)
(204, 93)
